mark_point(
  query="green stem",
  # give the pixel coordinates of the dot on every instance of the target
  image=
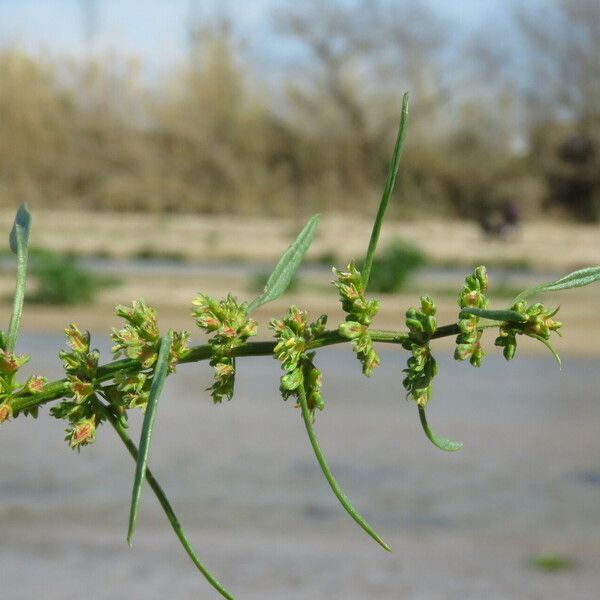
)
(344, 501)
(58, 389)
(164, 502)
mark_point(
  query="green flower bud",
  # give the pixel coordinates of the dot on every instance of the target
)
(509, 351)
(351, 329)
(292, 380)
(81, 389)
(427, 306)
(430, 325)
(463, 351)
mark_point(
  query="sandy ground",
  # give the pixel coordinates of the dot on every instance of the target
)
(542, 244)
(244, 481)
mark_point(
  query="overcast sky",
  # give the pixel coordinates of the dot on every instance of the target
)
(154, 30)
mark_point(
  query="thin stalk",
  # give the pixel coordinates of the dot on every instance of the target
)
(165, 504)
(58, 389)
(337, 490)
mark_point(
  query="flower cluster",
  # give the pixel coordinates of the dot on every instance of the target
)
(140, 338)
(360, 313)
(294, 335)
(231, 326)
(10, 363)
(538, 323)
(79, 409)
(472, 295)
(421, 365)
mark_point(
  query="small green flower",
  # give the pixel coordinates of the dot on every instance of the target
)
(360, 314)
(294, 334)
(231, 326)
(538, 323)
(81, 433)
(472, 295)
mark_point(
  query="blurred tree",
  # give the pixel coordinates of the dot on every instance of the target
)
(562, 94)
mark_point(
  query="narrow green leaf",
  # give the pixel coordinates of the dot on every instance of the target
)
(19, 244)
(165, 504)
(344, 501)
(572, 280)
(387, 192)
(552, 350)
(494, 315)
(440, 442)
(158, 380)
(282, 274)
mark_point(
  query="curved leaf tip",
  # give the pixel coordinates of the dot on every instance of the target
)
(335, 487)
(442, 443)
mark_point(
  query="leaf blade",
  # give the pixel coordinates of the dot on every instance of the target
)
(165, 505)
(289, 262)
(442, 443)
(158, 380)
(579, 278)
(333, 484)
(387, 192)
(19, 245)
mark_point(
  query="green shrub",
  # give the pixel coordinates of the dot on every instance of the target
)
(61, 281)
(393, 267)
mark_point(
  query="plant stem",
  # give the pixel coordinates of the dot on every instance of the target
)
(58, 389)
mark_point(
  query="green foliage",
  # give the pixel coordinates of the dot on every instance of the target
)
(572, 280)
(19, 245)
(92, 393)
(259, 279)
(392, 269)
(442, 443)
(285, 269)
(161, 370)
(61, 281)
(360, 313)
(387, 192)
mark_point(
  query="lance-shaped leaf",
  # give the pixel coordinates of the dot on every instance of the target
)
(19, 244)
(494, 315)
(440, 442)
(158, 380)
(164, 503)
(387, 192)
(572, 280)
(282, 274)
(337, 490)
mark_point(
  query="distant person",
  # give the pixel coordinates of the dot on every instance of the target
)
(501, 223)
(511, 220)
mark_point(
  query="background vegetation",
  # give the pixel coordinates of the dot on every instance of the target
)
(493, 120)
